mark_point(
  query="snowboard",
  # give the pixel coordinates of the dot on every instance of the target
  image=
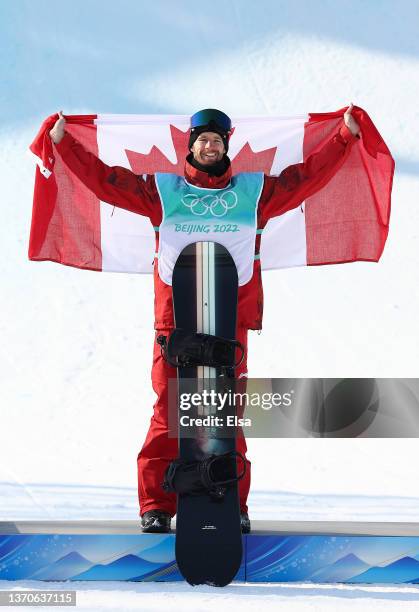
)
(208, 532)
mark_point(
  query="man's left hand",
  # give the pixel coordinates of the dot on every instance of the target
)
(350, 122)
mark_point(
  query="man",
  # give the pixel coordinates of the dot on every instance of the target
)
(207, 167)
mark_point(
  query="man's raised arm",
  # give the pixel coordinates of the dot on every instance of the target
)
(299, 181)
(113, 184)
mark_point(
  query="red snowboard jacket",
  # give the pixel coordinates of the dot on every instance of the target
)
(121, 187)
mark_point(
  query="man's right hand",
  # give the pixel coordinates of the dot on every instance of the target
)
(57, 132)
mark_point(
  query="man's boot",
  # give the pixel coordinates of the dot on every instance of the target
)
(155, 521)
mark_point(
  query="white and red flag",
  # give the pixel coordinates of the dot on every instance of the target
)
(345, 221)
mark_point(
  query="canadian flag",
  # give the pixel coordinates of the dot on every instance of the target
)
(347, 220)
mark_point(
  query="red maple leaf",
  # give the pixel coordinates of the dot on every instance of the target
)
(155, 161)
(247, 160)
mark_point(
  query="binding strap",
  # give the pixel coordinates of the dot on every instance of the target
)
(211, 476)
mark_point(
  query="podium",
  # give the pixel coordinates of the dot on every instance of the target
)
(275, 551)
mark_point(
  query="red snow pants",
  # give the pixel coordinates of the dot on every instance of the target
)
(159, 450)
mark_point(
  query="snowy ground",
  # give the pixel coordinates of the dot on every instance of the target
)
(146, 597)
(77, 502)
(76, 346)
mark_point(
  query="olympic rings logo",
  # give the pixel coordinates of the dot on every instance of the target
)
(217, 205)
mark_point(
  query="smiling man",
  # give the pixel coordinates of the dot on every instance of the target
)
(207, 167)
(208, 141)
(208, 149)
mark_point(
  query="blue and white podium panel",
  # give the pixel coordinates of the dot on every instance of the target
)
(316, 552)
(88, 557)
(333, 559)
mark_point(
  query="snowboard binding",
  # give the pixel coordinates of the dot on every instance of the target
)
(183, 348)
(212, 475)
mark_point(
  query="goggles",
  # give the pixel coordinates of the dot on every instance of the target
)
(208, 115)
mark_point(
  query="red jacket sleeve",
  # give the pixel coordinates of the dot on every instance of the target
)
(299, 181)
(113, 184)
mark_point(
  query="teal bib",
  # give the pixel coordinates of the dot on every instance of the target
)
(194, 214)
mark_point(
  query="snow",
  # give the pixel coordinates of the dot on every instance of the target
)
(41, 501)
(76, 346)
(149, 597)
